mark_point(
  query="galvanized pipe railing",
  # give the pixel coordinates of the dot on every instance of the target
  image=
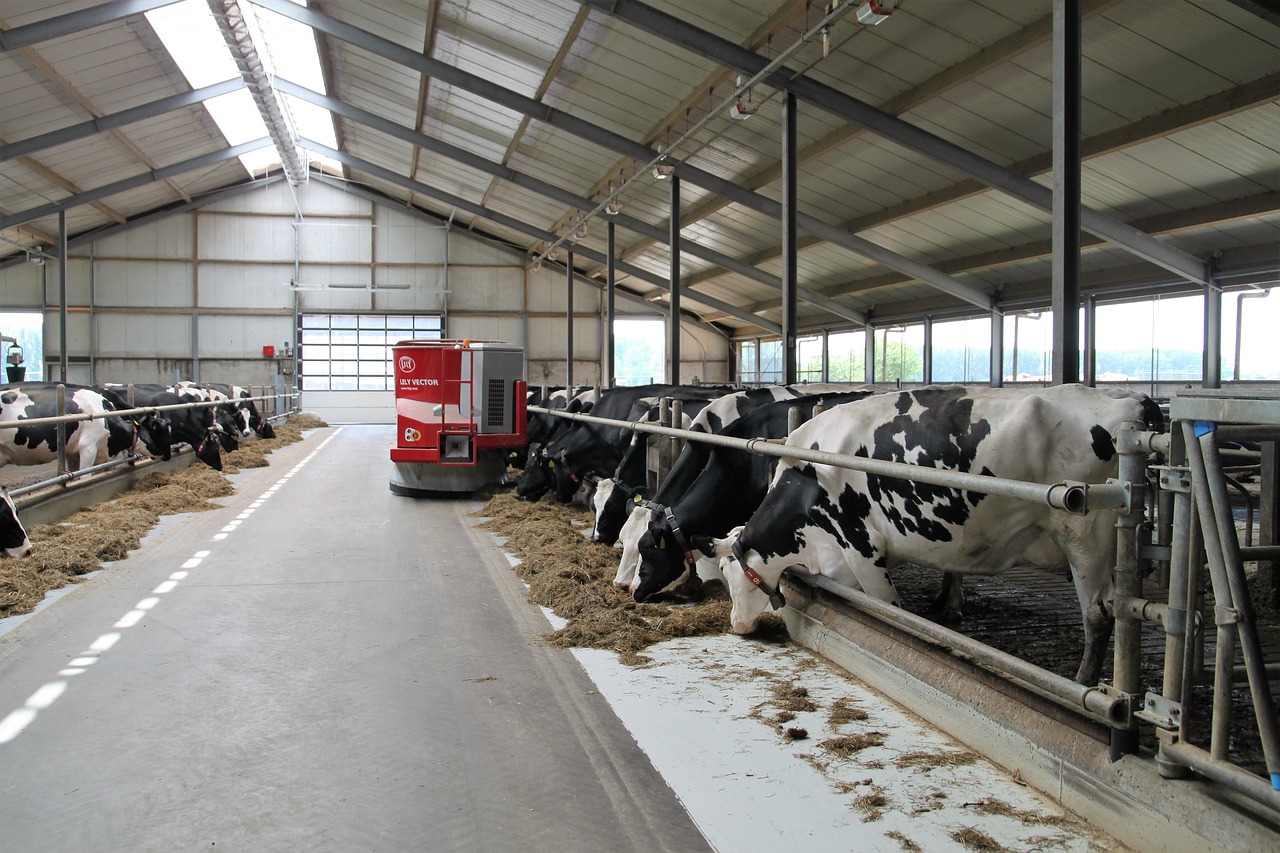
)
(1094, 702)
(141, 410)
(1076, 498)
(70, 476)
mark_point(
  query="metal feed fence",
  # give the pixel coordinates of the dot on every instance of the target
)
(61, 420)
(1197, 482)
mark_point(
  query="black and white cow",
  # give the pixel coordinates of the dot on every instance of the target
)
(226, 415)
(615, 497)
(196, 426)
(13, 536)
(593, 453)
(538, 477)
(725, 493)
(89, 442)
(856, 527)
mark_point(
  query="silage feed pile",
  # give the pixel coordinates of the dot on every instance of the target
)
(81, 543)
(572, 577)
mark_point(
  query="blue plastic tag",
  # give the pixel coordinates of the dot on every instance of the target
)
(1204, 428)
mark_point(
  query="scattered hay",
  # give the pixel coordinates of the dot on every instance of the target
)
(842, 711)
(930, 760)
(847, 746)
(994, 806)
(105, 532)
(793, 733)
(974, 839)
(872, 804)
(573, 577)
(907, 844)
(301, 421)
(789, 696)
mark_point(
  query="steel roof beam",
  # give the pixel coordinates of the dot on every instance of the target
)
(62, 25)
(551, 191)
(616, 142)
(903, 133)
(133, 183)
(514, 224)
(105, 123)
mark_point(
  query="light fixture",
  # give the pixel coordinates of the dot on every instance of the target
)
(38, 260)
(612, 207)
(581, 232)
(663, 170)
(535, 267)
(873, 12)
(744, 108)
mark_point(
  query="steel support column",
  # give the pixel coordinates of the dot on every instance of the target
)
(789, 239)
(997, 349)
(607, 377)
(869, 356)
(928, 351)
(673, 316)
(568, 312)
(1090, 376)
(1212, 364)
(63, 260)
(1066, 191)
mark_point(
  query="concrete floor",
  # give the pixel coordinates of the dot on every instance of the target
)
(321, 665)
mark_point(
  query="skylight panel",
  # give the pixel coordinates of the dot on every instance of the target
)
(286, 48)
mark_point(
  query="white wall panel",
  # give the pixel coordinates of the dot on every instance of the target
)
(77, 283)
(401, 239)
(409, 300)
(241, 286)
(488, 288)
(77, 335)
(126, 334)
(509, 329)
(172, 238)
(20, 286)
(231, 336)
(246, 238)
(144, 282)
(330, 240)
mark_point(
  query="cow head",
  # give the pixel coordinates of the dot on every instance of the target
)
(152, 436)
(13, 536)
(537, 479)
(518, 457)
(613, 503)
(225, 426)
(207, 451)
(567, 478)
(664, 556)
(264, 429)
(753, 586)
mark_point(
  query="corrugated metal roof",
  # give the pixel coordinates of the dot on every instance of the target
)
(1181, 120)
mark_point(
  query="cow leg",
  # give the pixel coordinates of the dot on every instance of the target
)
(949, 605)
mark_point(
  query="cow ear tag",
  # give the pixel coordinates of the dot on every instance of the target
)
(638, 499)
(551, 463)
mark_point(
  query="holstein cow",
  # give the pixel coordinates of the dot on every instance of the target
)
(240, 408)
(89, 442)
(856, 527)
(594, 452)
(729, 488)
(225, 414)
(616, 497)
(539, 426)
(196, 426)
(538, 477)
(13, 536)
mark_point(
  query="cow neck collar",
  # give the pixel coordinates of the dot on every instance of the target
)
(775, 595)
(678, 535)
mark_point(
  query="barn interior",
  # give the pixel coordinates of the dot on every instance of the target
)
(897, 192)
